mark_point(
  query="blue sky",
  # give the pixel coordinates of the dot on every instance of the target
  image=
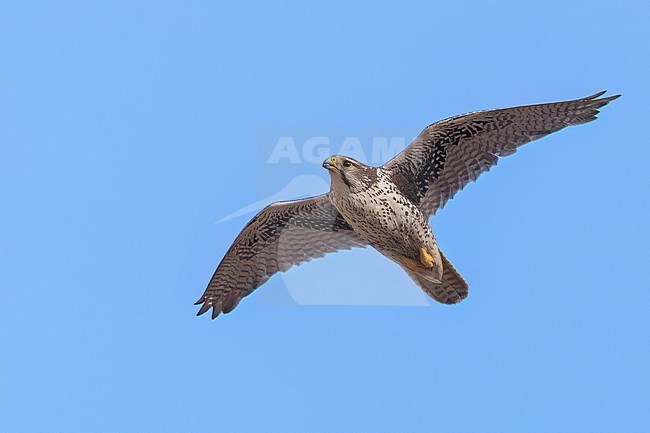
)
(130, 128)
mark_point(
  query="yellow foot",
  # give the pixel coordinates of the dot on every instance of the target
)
(425, 258)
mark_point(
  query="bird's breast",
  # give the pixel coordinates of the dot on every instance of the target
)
(385, 218)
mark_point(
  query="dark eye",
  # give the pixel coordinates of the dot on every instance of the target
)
(347, 163)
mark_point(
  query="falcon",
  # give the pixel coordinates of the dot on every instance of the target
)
(388, 207)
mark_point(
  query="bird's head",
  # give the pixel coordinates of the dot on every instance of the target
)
(349, 172)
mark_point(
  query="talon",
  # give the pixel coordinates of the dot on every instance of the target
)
(425, 258)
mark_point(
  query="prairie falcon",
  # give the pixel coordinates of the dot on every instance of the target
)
(388, 207)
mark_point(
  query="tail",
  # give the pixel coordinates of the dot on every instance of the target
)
(451, 290)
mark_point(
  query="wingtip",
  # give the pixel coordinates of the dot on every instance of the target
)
(596, 95)
(611, 98)
(205, 307)
(208, 304)
(607, 99)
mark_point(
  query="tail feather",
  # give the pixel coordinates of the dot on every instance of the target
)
(450, 290)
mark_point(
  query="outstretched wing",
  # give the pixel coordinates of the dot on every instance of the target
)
(449, 154)
(282, 235)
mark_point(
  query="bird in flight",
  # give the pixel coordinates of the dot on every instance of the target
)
(388, 207)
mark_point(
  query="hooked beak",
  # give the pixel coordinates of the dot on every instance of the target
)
(330, 163)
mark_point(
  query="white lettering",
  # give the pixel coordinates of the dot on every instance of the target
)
(316, 149)
(284, 148)
(383, 150)
(351, 146)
